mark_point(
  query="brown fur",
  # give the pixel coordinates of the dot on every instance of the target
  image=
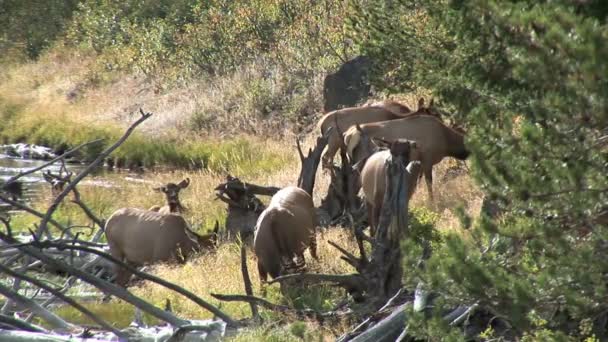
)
(435, 140)
(171, 191)
(138, 237)
(373, 177)
(347, 117)
(284, 230)
(378, 111)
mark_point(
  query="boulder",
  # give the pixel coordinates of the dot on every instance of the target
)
(348, 86)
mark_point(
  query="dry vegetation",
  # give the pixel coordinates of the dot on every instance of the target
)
(220, 110)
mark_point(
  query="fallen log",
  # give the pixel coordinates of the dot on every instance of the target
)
(388, 329)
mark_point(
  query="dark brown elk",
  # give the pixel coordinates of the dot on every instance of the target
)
(171, 191)
(373, 174)
(349, 117)
(435, 141)
(283, 231)
(139, 237)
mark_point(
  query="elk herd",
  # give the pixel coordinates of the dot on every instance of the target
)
(287, 227)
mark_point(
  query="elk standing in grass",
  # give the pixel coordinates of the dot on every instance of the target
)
(171, 191)
(283, 231)
(348, 117)
(435, 141)
(138, 237)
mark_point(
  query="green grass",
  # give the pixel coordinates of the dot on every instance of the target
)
(59, 131)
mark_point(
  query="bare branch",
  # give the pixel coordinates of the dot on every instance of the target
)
(99, 283)
(50, 162)
(31, 211)
(178, 289)
(77, 200)
(63, 297)
(247, 281)
(305, 313)
(21, 324)
(100, 158)
(48, 316)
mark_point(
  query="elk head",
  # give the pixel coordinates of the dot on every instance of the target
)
(171, 191)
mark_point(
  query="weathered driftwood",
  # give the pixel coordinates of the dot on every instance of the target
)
(243, 205)
(200, 331)
(310, 162)
(14, 323)
(60, 295)
(111, 288)
(51, 318)
(388, 329)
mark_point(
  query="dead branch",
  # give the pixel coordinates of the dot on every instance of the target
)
(247, 281)
(48, 316)
(353, 283)
(101, 284)
(97, 282)
(310, 163)
(303, 313)
(388, 329)
(20, 324)
(31, 211)
(233, 183)
(100, 158)
(50, 162)
(348, 257)
(64, 298)
(77, 200)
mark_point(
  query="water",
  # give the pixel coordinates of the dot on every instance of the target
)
(32, 183)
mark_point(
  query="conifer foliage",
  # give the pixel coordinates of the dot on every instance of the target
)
(528, 80)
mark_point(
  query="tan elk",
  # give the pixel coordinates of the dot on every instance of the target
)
(435, 140)
(373, 174)
(139, 237)
(171, 191)
(283, 231)
(349, 117)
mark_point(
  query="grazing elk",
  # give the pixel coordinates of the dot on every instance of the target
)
(373, 174)
(435, 141)
(349, 117)
(138, 237)
(283, 231)
(171, 191)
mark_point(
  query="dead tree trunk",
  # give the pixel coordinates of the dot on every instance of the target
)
(243, 205)
(310, 163)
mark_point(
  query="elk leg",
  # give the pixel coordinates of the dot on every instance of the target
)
(371, 213)
(428, 177)
(313, 246)
(263, 274)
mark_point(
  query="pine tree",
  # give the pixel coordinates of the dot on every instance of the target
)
(529, 81)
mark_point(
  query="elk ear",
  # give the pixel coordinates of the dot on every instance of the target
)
(381, 142)
(161, 189)
(184, 184)
(421, 103)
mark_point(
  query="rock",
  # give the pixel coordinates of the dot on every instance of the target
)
(347, 86)
(28, 151)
